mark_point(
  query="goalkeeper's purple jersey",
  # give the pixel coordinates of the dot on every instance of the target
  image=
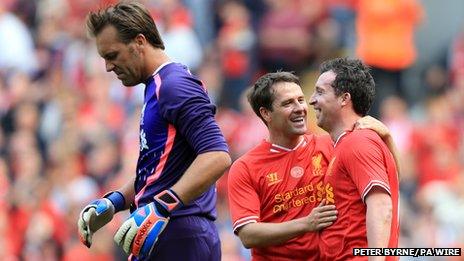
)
(177, 123)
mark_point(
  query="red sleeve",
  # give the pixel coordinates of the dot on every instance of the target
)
(244, 203)
(364, 160)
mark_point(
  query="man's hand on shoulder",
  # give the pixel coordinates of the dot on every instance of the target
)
(369, 122)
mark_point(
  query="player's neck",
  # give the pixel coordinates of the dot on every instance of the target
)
(286, 142)
(345, 123)
(155, 58)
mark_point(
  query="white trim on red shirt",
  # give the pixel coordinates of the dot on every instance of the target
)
(278, 148)
(243, 221)
(372, 184)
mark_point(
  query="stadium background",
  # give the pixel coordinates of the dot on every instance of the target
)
(70, 131)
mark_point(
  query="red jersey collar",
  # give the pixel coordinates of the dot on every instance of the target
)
(274, 148)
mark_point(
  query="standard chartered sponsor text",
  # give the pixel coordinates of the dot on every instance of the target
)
(294, 198)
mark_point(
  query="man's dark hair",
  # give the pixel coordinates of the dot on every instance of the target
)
(130, 18)
(353, 77)
(263, 95)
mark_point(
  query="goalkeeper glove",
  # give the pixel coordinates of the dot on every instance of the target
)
(97, 214)
(139, 233)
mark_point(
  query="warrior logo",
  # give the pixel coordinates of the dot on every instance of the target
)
(272, 178)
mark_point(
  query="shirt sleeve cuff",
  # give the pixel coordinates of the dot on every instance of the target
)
(372, 184)
(243, 221)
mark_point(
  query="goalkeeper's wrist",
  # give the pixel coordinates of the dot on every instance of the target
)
(118, 200)
(168, 200)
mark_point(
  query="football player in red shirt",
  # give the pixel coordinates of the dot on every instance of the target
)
(362, 173)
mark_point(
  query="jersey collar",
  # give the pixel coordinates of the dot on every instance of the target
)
(161, 67)
(339, 138)
(277, 148)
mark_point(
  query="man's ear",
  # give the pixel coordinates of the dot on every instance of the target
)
(265, 113)
(345, 98)
(140, 40)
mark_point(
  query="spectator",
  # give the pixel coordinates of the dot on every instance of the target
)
(236, 43)
(16, 47)
(385, 34)
(286, 20)
(181, 42)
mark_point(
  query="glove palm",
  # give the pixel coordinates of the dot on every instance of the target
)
(94, 216)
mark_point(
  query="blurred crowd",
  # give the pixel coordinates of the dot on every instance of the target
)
(69, 130)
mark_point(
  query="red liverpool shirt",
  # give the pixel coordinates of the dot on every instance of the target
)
(361, 161)
(273, 184)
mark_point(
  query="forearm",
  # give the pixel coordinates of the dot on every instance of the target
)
(128, 191)
(204, 171)
(268, 234)
(394, 150)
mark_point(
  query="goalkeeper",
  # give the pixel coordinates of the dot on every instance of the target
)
(182, 151)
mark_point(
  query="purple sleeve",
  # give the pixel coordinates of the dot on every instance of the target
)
(185, 104)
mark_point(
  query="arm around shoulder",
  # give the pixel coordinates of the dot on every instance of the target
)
(368, 122)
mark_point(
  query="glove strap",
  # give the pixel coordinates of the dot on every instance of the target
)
(118, 200)
(169, 200)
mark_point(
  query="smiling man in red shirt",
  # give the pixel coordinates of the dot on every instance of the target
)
(362, 173)
(276, 189)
